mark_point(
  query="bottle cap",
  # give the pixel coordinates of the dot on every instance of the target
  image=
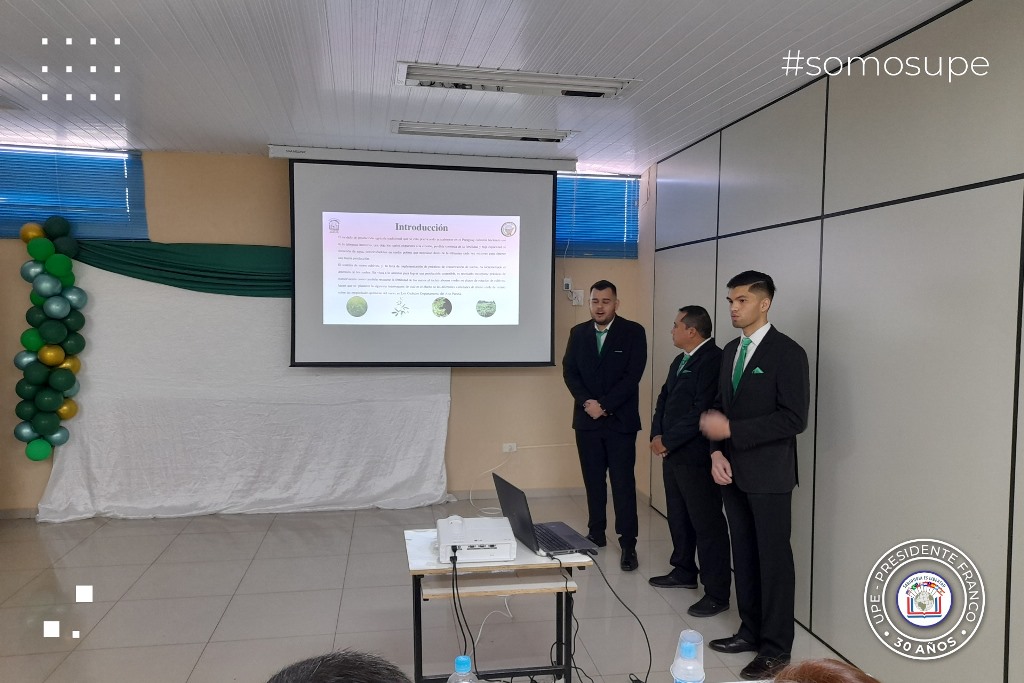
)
(463, 664)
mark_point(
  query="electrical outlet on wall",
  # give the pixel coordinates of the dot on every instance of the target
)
(509, 447)
(577, 297)
(567, 284)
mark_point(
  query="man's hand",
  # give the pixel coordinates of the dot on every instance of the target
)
(593, 408)
(658, 448)
(715, 425)
(721, 469)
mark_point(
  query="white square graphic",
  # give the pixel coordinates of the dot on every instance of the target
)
(45, 68)
(68, 97)
(46, 41)
(67, 41)
(51, 629)
(92, 41)
(117, 69)
(117, 97)
(67, 69)
(76, 634)
(117, 41)
(92, 69)
(45, 97)
(92, 97)
(84, 593)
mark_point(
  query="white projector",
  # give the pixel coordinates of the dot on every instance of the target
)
(477, 539)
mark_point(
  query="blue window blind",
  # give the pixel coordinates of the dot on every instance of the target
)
(597, 217)
(100, 193)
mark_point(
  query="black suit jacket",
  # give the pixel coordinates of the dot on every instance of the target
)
(765, 413)
(612, 378)
(683, 398)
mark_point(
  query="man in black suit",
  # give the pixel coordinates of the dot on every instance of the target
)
(761, 406)
(693, 499)
(603, 363)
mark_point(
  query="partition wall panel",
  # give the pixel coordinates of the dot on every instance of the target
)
(687, 208)
(790, 255)
(919, 321)
(892, 137)
(771, 163)
(684, 276)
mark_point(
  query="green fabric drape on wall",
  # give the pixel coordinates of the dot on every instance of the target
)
(236, 269)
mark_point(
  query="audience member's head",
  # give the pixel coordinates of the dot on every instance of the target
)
(341, 667)
(823, 671)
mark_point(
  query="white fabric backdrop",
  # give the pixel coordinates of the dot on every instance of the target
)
(188, 407)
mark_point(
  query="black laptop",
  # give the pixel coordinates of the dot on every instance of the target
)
(549, 538)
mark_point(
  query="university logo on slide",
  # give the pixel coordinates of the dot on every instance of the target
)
(926, 599)
(941, 601)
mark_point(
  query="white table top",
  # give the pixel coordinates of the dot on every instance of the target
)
(421, 547)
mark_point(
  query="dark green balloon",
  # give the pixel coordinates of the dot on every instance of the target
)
(46, 423)
(26, 390)
(56, 226)
(36, 298)
(67, 280)
(36, 316)
(62, 379)
(26, 410)
(48, 400)
(40, 248)
(37, 373)
(32, 340)
(74, 320)
(53, 332)
(66, 245)
(74, 344)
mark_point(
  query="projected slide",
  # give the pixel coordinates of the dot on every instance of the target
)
(420, 269)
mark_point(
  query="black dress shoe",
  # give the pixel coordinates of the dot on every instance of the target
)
(707, 607)
(599, 541)
(671, 581)
(732, 645)
(764, 667)
(629, 560)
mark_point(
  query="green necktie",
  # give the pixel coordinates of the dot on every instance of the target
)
(686, 358)
(600, 340)
(737, 371)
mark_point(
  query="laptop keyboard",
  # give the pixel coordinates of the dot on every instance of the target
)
(549, 541)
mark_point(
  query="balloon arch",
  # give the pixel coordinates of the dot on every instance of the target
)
(49, 361)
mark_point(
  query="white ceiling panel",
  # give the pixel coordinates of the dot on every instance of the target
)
(236, 75)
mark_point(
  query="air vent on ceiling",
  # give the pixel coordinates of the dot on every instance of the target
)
(452, 130)
(7, 104)
(500, 80)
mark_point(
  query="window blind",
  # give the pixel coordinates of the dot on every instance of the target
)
(597, 217)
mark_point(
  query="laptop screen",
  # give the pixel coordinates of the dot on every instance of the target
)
(514, 506)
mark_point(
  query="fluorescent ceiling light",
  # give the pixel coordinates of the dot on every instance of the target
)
(452, 130)
(500, 80)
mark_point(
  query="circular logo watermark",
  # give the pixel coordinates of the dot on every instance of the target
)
(939, 600)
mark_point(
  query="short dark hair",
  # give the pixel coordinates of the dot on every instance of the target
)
(348, 666)
(759, 282)
(698, 318)
(604, 284)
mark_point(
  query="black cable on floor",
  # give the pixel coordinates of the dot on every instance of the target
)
(650, 657)
(576, 631)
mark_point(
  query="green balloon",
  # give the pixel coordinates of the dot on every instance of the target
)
(26, 390)
(62, 379)
(66, 245)
(59, 437)
(36, 316)
(74, 344)
(67, 280)
(58, 265)
(75, 388)
(40, 248)
(26, 410)
(37, 373)
(53, 332)
(46, 423)
(23, 432)
(75, 320)
(48, 400)
(38, 449)
(56, 226)
(32, 340)
(36, 298)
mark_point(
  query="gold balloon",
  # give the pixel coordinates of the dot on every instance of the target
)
(68, 409)
(51, 355)
(71, 363)
(30, 231)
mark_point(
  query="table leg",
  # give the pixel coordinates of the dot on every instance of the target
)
(417, 627)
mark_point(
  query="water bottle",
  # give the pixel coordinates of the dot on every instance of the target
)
(464, 671)
(688, 665)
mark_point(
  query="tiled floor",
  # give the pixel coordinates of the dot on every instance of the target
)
(235, 598)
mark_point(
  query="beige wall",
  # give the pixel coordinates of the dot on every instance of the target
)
(244, 200)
